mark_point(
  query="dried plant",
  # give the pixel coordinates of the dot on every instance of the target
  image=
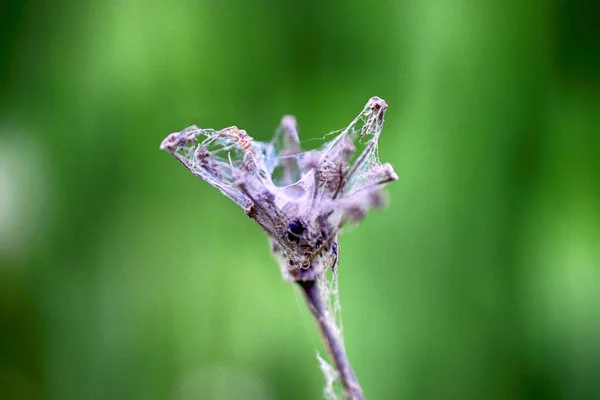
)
(301, 199)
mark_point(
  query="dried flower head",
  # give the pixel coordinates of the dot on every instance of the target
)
(301, 199)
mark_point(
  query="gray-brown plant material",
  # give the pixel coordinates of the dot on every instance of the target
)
(301, 199)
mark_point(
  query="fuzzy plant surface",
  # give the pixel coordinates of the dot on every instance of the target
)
(301, 199)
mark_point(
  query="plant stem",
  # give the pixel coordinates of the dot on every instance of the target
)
(332, 340)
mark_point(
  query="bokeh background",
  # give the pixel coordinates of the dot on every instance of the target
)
(122, 276)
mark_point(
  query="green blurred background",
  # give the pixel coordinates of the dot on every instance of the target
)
(122, 276)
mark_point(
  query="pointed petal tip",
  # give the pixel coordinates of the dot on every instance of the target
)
(169, 142)
(377, 103)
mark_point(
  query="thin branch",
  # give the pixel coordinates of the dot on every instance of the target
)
(332, 341)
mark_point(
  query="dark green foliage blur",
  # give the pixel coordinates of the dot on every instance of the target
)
(122, 276)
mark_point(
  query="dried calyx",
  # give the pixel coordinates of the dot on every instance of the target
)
(300, 199)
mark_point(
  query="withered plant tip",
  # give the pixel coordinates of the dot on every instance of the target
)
(301, 199)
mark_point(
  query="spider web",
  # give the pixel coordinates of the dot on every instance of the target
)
(329, 292)
(340, 179)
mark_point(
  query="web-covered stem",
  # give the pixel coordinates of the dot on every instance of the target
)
(332, 339)
(301, 199)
